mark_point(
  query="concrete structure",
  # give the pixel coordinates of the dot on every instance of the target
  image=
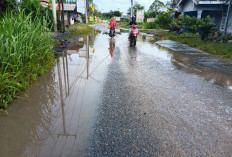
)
(201, 8)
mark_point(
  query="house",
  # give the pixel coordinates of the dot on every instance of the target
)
(217, 9)
(71, 15)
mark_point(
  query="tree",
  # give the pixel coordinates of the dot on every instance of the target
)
(157, 6)
(150, 14)
(135, 7)
(174, 3)
(111, 14)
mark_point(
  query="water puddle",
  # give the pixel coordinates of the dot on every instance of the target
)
(191, 60)
(55, 115)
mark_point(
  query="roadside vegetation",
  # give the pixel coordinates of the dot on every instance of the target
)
(79, 29)
(218, 48)
(26, 50)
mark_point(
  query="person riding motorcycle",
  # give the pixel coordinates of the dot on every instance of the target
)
(112, 24)
(133, 21)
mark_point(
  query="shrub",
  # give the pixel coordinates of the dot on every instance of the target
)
(206, 28)
(178, 25)
(151, 25)
(150, 14)
(191, 24)
(164, 20)
(36, 10)
(26, 52)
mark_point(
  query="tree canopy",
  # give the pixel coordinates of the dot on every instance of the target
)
(111, 14)
(157, 6)
(135, 7)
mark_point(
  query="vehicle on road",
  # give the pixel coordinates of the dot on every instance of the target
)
(134, 31)
(112, 32)
(112, 27)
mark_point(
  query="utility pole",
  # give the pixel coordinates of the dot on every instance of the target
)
(62, 1)
(60, 24)
(87, 57)
(227, 18)
(131, 8)
(54, 14)
(86, 11)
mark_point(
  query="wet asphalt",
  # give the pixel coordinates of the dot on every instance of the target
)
(154, 99)
(149, 108)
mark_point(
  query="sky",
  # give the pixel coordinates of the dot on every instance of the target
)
(121, 5)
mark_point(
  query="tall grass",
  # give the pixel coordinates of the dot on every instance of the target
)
(80, 29)
(26, 52)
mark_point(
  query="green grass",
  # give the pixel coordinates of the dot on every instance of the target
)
(79, 29)
(26, 52)
(123, 25)
(221, 49)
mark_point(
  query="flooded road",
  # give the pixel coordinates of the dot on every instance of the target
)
(117, 100)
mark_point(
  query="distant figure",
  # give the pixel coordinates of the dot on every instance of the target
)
(112, 23)
(112, 27)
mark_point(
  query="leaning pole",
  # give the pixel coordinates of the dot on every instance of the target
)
(54, 14)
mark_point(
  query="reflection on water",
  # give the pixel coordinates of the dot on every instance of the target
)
(186, 61)
(184, 58)
(112, 47)
(55, 118)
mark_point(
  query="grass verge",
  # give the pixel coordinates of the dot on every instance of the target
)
(80, 29)
(26, 52)
(221, 49)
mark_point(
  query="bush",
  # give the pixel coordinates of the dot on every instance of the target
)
(152, 25)
(150, 14)
(194, 25)
(36, 10)
(206, 28)
(178, 25)
(164, 20)
(191, 24)
(26, 52)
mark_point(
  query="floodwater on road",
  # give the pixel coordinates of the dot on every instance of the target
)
(173, 103)
(53, 117)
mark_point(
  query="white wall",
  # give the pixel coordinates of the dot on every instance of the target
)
(189, 6)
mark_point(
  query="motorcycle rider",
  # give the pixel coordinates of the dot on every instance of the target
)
(132, 22)
(112, 24)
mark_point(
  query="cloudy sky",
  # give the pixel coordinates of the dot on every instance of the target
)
(121, 5)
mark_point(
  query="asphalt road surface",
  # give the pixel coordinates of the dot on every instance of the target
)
(119, 100)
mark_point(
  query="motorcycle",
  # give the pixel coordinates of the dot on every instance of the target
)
(112, 32)
(134, 31)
